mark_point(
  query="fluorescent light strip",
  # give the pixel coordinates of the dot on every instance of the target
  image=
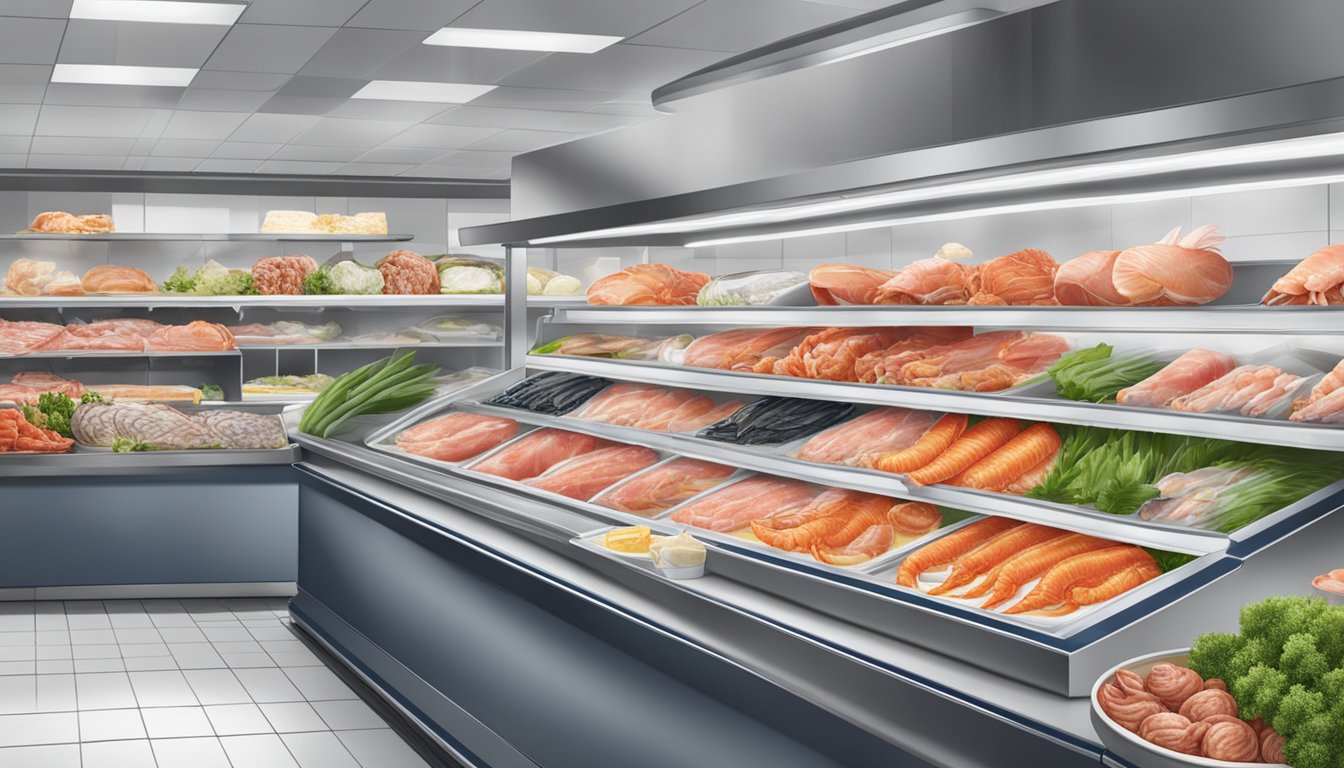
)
(117, 74)
(1042, 205)
(158, 11)
(520, 40)
(923, 31)
(414, 90)
(1279, 151)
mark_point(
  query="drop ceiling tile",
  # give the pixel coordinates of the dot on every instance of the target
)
(861, 5)
(390, 155)
(239, 81)
(244, 150)
(297, 167)
(593, 122)
(11, 160)
(440, 136)
(30, 41)
(374, 169)
(216, 100)
(138, 43)
(460, 65)
(272, 128)
(455, 172)
(203, 125)
(323, 154)
(184, 148)
(18, 119)
(499, 117)
(327, 13)
(358, 52)
(114, 122)
(11, 145)
(632, 108)
(267, 48)
(51, 9)
(333, 87)
(64, 145)
(74, 162)
(522, 141)
(471, 158)
(423, 15)
(378, 109)
(622, 68)
(558, 99)
(171, 164)
(344, 132)
(89, 95)
(596, 17)
(300, 105)
(134, 163)
(734, 26)
(222, 165)
(23, 83)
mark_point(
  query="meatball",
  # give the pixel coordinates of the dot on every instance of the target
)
(282, 275)
(408, 272)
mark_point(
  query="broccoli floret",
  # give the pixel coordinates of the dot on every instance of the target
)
(233, 282)
(90, 397)
(1276, 618)
(1212, 653)
(1253, 651)
(53, 412)
(1332, 685)
(1301, 661)
(1318, 743)
(181, 281)
(317, 283)
(1259, 692)
(211, 391)
(1297, 707)
(1328, 628)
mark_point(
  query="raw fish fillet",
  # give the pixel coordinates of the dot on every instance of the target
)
(871, 368)
(1023, 278)
(834, 284)
(831, 354)
(16, 338)
(1085, 281)
(744, 349)
(665, 487)
(927, 281)
(584, 476)
(28, 386)
(457, 436)
(110, 278)
(734, 507)
(645, 406)
(648, 284)
(1174, 271)
(537, 452)
(196, 336)
(1184, 375)
(987, 362)
(877, 431)
(1230, 391)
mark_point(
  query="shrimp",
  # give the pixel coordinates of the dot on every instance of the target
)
(925, 449)
(997, 550)
(1312, 280)
(800, 538)
(914, 518)
(1117, 584)
(1031, 562)
(1018, 456)
(978, 442)
(1056, 584)
(950, 547)
(875, 540)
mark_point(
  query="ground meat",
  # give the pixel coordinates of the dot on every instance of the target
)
(408, 272)
(282, 275)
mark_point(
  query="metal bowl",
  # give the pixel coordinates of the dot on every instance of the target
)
(1128, 745)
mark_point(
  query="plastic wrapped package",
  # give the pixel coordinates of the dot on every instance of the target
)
(750, 289)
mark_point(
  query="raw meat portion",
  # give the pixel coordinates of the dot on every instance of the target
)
(1023, 278)
(1174, 271)
(457, 436)
(832, 353)
(28, 386)
(407, 272)
(18, 434)
(1188, 497)
(1231, 391)
(196, 336)
(1184, 375)
(984, 363)
(1317, 279)
(110, 278)
(118, 335)
(282, 275)
(645, 406)
(1086, 281)
(584, 476)
(239, 430)
(872, 367)
(16, 338)
(551, 393)
(60, 222)
(64, 283)
(734, 507)
(648, 284)
(744, 349)
(164, 428)
(1326, 400)
(29, 277)
(927, 281)
(537, 452)
(875, 432)
(773, 420)
(834, 284)
(661, 489)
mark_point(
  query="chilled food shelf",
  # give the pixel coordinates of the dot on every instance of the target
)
(94, 462)
(184, 237)
(317, 303)
(56, 354)
(1307, 320)
(1212, 425)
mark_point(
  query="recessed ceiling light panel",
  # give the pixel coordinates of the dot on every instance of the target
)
(116, 74)
(521, 40)
(157, 11)
(412, 90)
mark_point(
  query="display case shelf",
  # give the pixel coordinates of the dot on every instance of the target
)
(175, 301)
(183, 237)
(90, 463)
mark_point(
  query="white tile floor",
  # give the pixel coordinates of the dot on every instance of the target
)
(177, 684)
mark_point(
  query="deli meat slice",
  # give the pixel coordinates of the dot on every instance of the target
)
(240, 430)
(17, 338)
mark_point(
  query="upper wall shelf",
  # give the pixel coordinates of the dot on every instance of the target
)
(170, 301)
(249, 237)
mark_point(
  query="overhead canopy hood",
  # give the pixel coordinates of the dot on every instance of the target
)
(1077, 102)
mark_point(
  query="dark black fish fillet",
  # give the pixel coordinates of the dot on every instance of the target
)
(552, 393)
(774, 420)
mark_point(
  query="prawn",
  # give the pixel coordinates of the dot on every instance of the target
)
(1089, 569)
(997, 550)
(928, 447)
(978, 442)
(1018, 456)
(950, 547)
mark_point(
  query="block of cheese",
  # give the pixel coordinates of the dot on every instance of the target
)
(370, 223)
(290, 221)
(359, 224)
